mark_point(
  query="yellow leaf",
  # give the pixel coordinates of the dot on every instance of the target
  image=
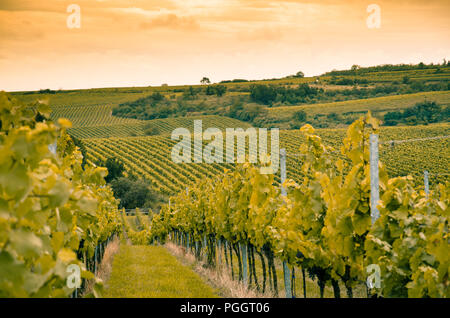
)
(64, 123)
(66, 255)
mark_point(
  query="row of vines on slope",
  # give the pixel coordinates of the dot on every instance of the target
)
(323, 224)
(53, 213)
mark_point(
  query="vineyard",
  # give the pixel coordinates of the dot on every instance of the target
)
(390, 76)
(86, 116)
(54, 214)
(156, 126)
(150, 156)
(323, 225)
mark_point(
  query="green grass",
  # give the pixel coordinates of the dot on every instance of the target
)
(152, 272)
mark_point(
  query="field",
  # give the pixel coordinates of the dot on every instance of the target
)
(326, 227)
(150, 156)
(145, 146)
(115, 96)
(87, 116)
(390, 76)
(159, 126)
(352, 109)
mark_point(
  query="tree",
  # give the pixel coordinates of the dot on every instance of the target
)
(392, 118)
(300, 74)
(205, 81)
(421, 113)
(209, 90)
(300, 116)
(190, 93)
(134, 193)
(263, 94)
(220, 90)
(406, 79)
(115, 168)
(355, 68)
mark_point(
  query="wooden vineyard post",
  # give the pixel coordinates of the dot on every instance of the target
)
(52, 148)
(374, 178)
(286, 271)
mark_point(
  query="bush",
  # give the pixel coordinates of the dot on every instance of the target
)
(421, 113)
(264, 94)
(220, 90)
(134, 193)
(406, 79)
(333, 117)
(115, 168)
(300, 116)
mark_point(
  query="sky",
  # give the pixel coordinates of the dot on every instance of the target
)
(147, 42)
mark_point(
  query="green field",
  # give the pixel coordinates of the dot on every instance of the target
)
(151, 272)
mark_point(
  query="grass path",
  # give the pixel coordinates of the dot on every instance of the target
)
(152, 272)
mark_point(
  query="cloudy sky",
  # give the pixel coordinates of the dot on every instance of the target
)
(150, 42)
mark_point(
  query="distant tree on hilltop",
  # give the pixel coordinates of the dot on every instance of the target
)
(205, 81)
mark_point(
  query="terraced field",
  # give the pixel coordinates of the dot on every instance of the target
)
(390, 76)
(150, 157)
(88, 116)
(161, 126)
